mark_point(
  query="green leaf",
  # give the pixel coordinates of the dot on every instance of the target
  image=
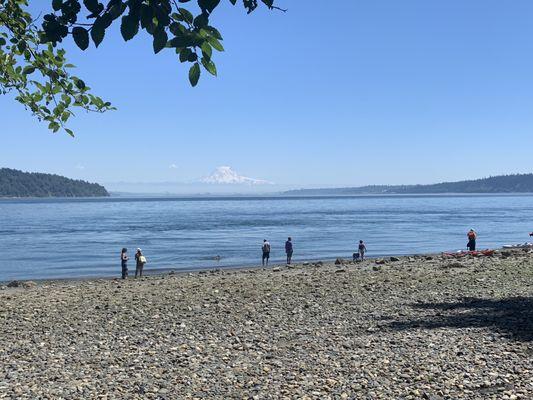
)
(181, 41)
(147, 16)
(215, 43)
(214, 32)
(81, 37)
(194, 74)
(208, 5)
(184, 54)
(161, 14)
(186, 14)
(116, 10)
(28, 70)
(56, 4)
(160, 40)
(98, 31)
(69, 132)
(176, 28)
(129, 27)
(201, 20)
(209, 66)
(207, 51)
(22, 45)
(92, 6)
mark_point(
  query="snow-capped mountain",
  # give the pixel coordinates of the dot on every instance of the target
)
(226, 176)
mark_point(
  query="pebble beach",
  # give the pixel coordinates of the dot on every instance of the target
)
(420, 327)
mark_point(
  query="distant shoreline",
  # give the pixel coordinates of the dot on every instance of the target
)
(515, 183)
(152, 196)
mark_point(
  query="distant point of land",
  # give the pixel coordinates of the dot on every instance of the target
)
(14, 183)
(517, 183)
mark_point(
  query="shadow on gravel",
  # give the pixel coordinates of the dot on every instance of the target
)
(512, 317)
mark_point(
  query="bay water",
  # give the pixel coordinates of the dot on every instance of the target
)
(74, 238)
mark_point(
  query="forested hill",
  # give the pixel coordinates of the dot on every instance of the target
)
(518, 183)
(14, 183)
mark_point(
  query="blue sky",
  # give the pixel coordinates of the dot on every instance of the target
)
(332, 92)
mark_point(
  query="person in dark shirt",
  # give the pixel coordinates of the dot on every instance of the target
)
(266, 252)
(289, 250)
(362, 250)
(124, 262)
(472, 236)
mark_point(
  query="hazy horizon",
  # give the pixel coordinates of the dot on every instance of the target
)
(216, 185)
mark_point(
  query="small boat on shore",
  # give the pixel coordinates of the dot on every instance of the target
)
(462, 253)
(526, 245)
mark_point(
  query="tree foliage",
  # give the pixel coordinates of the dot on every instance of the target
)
(14, 183)
(33, 65)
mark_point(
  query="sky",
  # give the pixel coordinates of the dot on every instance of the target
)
(329, 93)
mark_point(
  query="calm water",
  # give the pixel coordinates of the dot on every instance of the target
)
(78, 238)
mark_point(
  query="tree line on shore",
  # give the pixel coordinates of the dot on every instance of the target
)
(14, 183)
(515, 183)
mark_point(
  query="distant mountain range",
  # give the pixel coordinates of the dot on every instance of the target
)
(517, 183)
(14, 183)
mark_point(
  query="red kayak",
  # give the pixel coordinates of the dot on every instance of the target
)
(481, 253)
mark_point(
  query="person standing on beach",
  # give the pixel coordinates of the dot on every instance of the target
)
(362, 250)
(124, 262)
(140, 260)
(472, 236)
(288, 250)
(266, 252)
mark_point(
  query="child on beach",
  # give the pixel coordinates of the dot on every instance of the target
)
(141, 260)
(266, 252)
(288, 250)
(124, 262)
(362, 250)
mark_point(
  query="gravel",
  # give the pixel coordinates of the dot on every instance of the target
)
(416, 328)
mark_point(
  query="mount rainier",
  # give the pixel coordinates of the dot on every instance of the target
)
(227, 176)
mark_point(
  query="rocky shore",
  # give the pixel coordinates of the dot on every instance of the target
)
(422, 327)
